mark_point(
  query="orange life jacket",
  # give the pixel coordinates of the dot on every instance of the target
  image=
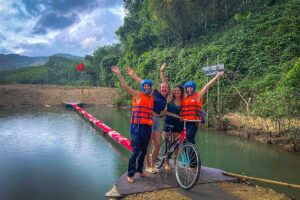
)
(191, 108)
(142, 112)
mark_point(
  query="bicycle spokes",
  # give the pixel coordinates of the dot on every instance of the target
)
(187, 166)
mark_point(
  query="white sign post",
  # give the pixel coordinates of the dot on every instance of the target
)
(211, 71)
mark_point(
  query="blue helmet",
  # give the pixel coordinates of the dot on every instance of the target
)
(146, 81)
(190, 84)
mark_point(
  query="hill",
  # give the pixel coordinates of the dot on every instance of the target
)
(69, 56)
(15, 61)
(59, 69)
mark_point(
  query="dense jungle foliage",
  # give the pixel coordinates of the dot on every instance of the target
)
(257, 40)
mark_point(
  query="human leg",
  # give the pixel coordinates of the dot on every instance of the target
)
(191, 130)
(157, 139)
(137, 150)
(148, 157)
(135, 153)
(176, 150)
(145, 135)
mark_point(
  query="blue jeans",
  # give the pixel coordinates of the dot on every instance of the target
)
(140, 137)
(191, 130)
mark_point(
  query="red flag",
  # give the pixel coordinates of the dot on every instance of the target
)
(80, 67)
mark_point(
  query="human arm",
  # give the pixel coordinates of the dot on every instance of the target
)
(165, 112)
(172, 115)
(209, 84)
(131, 91)
(133, 75)
(162, 74)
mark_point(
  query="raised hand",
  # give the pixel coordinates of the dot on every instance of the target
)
(130, 71)
(163, 67)
(220, 74)
(115, 69)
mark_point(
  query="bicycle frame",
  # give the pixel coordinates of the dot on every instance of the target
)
(178, 140)
(187, 161)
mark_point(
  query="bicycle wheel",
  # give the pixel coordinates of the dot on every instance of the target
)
(159, 161)
(188, 166)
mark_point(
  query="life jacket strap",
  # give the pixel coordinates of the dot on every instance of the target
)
(142, 107)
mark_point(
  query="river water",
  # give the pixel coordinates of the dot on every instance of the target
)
(52, 153)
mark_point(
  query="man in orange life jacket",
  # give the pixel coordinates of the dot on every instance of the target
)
(191, 106)
(141, 124)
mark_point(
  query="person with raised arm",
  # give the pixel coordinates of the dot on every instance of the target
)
(160, 101)
(173, 125)
(191, 106)
(141, 124)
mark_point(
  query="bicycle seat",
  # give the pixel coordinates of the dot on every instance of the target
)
(169, 127)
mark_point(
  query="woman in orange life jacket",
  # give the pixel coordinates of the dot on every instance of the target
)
(142, 110)
(191, 105)
(160, 100)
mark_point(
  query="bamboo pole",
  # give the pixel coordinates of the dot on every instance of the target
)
(261, 180)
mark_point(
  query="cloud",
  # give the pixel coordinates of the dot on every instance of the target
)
(54, 21)
(2, 37)
(44, 27)
(89, 42)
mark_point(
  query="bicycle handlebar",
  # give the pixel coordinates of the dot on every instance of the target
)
(187, 120)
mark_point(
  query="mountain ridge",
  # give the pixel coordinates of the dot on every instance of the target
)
(16, 61)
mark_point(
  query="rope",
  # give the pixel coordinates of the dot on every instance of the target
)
(239, 94)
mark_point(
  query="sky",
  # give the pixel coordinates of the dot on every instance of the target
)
(47, 27)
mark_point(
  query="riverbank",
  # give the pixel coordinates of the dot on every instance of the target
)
(264, 130)
(53, 95)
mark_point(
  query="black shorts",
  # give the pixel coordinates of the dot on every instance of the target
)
(177, 127)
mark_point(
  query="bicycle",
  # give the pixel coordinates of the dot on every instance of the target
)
(187, 163)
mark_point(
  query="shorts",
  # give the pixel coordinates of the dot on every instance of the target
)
(175, 122)
(177, 127)
(156, 123)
